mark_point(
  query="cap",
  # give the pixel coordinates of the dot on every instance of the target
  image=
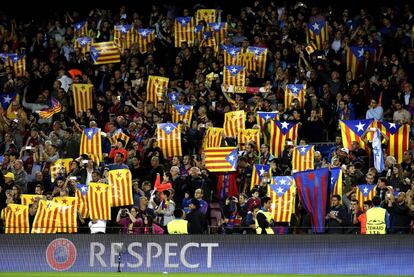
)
(9, 175)
(343, 149)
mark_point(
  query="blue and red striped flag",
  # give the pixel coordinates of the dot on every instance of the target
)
(221, 159)
(312, 188)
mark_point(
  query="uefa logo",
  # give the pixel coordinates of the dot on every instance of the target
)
(61, 254)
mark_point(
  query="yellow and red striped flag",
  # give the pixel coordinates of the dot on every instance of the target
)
(183, 31)
(208, 41)
(28, 199)
(18, 63)
(221, 159)
(82, 97)
(55, 108)
(364, 193)
(279, 132)
(213, 137)
(124, 36)
(156, 88)
(120, 181)
(181, 113)
(282, 194)
(91, 143)
(207, 15)
(399, 136)
(234, 75)
(16, 219)
(263, 116)
(81, 28)
(143, 38)
(336, 181)
(233, 123)
(219, 31)
(169, 139)
(81, 193)
(317, 32)
(68, 213)
(354, 57)
(99, 201)
(84, 43)
(119, 134)
(232, 55)
(303, 158)
(352, 130)
(105, 53)
(199, 32)
(247, 135)
(311, 47)
(259, 172)
(47, 219)
(295, 91)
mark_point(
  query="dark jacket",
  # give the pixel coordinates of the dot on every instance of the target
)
(333, 226)
(197, 222)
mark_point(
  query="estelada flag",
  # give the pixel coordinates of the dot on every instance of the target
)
(259, 60)
(233, 123)
(247, 135)
(317, 31)
(124, 36)
(399, 136)
(183, 31)
(354, 57)
(181, 113)
(282, 194)
(143, 38)
(234, 75)
(18, 63)
(68, 213)
(207, 15)
(91, 143)
(16, 219)
(259, 171)
(221, 159)
(82, 97)
(28, 199)
(232, 55)
(81, 28)
(213, 137)
(352, 130)
(120, 181)
(279, 132)
(303, 157)
(364, 193)
(336, 181)
(208, 41)
(99, 198)
(219, 31)
(55, 107)
(47, 219)
(81, 193)
(263, 116)
(199, 32)
(119, 134)
(105, 53)
(156, 88)
(169, 139)
(84, 43)
(295, 91)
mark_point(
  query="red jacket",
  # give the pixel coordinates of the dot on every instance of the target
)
(114, 151)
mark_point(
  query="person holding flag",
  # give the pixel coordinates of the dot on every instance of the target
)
(376, 147)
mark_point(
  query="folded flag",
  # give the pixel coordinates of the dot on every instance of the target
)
(221, 159)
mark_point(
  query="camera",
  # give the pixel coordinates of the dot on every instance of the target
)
(124, 212)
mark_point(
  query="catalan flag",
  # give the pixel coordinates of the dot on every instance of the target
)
(207, 15)
(221, 159)
(91, 143)
(259, 60)
(279, 132)
(119, 134)
(47, 219)
(311, 47)
(183, 31)
(173, 97)
(82, 97)
(56, 171)
(120, 181)
(81, 193)
(169, 139)
(105, 53)
(99, 201)
(259, 171)
(208, 40)
(63, 163)
(181, 113)
(398, 138)
(232, 55)
(28, 199)
(354, 57)
(234, 75)
(352, 130)
(247, 135)
(213, 137)
(143, 38)
(16, 219)
(318, 32)
(68, 213)
(156, 88)
(364, 193)
(18, 62)
(219, 31)
(233, 123)
(263, 116)
(303, 158)
(6, 99)
(336, 181)
(199, 32)
(55, 107)
(295, 91)
(81, 28)
(282, 193)
(84, 43)
(124, 36)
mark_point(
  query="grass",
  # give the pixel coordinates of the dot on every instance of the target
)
(116, 274)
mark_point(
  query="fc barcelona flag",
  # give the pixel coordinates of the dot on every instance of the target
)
(354, 57)
(82, 97)
(207, 15)
(124, 36)
(303, 158)
(352, 130)
(183, 31)
(259, 171)
(81, 28)
(398, 138)
(208, 41)
(99, 201)
(312, 188)
(295, 91)
(169, 139)
(364, 193)
(318, 32)
(119, 134)
(282, 193)
(68, 213)
(279, 132)
(263, 116)
(55, 107)
(181, 113)
(219, 31)
(156, 88)
(247, 135)
(232, 55)
(234, 75)
(143, 38)
(120, 181)
(91, 143)
(213, 137)
(221, 159)
(84, 43)
(233, 123)
(16, 219)
(47, 219)
(336, 181)
(259, 60)
(105, 53)
(81, 193)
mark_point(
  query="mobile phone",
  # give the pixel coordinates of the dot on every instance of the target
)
(72, 178)
(119, 98)
(84, 161)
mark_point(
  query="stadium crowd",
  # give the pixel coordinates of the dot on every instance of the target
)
(381, 89)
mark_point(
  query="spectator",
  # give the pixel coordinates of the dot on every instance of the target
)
(336, 216)
(178, 225)
(197, 222)
(129, 221)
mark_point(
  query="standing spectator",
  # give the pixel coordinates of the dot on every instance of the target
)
(378, 221)
(375, 111)
(197, 222)
(400, 218)
(336, 216)
(178, 225)
(20, 175)
(129, 221)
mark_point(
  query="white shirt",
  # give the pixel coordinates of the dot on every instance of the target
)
(407, 97)
(98, 227)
